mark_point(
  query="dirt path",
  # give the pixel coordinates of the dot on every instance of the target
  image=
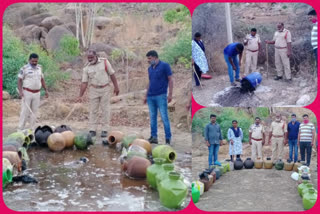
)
(218, 92)
(249, 190)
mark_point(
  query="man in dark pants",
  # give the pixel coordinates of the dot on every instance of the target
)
(213, 138)
(293, 132)
(197, 39)
(306, 138)
(312, 15)
(160, 77)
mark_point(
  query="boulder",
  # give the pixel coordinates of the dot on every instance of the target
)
(31, 33)
(5, 95)
(101, 22)
(55, 35)
(101, 47)
(50, 22)
(304, 100)
(72, 27)
(36, 19)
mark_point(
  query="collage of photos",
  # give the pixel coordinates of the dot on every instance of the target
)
(101, 107)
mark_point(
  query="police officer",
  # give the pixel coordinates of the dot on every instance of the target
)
(256, 138)
(278, 134)
(30, 81)
(97, 74)
(282, 43)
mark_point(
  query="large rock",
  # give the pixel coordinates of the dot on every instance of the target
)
(55, 35)
(101, 47)
(5, 95)
(101, 21)
(32, 33)
(50, 22)
(304, 100)
(36, 19)
(72, 27)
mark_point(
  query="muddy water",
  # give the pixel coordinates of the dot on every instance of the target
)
(67, 184)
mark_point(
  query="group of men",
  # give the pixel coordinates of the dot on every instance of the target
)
(97, 75)
(294, 133)
(252, 45)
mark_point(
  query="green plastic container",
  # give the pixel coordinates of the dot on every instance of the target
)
(164, 151)
(172, 191)
(164, 174)
(302, 186)
(222, 170)
(6, 177)
(226, 167)
(309, 199)
(83, 140)
(279, 165)
(153, 170)
(195, 193)
(19, 137)
(306, 189)
(127, 140)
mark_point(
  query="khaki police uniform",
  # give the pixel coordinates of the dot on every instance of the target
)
(31, 84)
(256, 139)
(98, 80)
(278, 130)
(282, 60)
(252, 50)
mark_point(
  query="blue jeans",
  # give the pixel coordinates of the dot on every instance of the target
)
(305, 147)
(293, 145)
(154, 103)
(213, 151)
(230, 69)
(315, 51)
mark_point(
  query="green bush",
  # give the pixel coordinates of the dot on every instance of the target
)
(179, 14)
(263, 112)
(15, 55)
(68, 49)
(116, 54)
(179, 49)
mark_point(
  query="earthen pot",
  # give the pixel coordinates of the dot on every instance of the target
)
(144, 144)
(136, 167)
(115, 137)
(68, 138)
(56, 142)
(14, 158)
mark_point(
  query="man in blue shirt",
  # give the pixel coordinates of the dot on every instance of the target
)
(230, 55)
(213, 138)
(293, 132)
(160, 77)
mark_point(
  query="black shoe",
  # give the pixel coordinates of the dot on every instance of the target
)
(92, 133)
(168, 141)
(104, 134)
(277, 78)
(105, 142)
(153, 140)
(238, 80)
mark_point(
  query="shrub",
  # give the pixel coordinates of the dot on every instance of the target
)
(173, 51)
(15, 55)
(179, 14)
(68, 49)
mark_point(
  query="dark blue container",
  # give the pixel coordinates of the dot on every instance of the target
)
(251, 81)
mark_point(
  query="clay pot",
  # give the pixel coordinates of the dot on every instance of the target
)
(258, 163)
(238, 164)
(115, 137)
(62, 128)
(296, 166)
(248, 164)
(42, 134)
(279, 164)
(144, 144)
(68, 138)
(136, 167)
(11, 148)
(56, 142)
(267, 164)
(83, 140)
(288, 166)
(14, 158)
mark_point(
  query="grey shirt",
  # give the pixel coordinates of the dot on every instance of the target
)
(212, 133)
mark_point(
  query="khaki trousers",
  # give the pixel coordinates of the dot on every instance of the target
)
(251, 62)
(256, 148)
(282, 61)
(277, 148)
(99, 98)
(33, 101)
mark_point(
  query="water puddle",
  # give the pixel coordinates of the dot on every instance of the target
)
(68, 184)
